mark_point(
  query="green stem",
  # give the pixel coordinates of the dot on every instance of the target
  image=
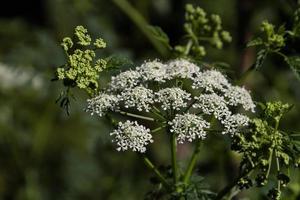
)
(270, 161)
(278, 171)
(192, 163)
(142, 24)
(158, 129)
(188, 47)
(174, 158)
(150, 165)
(136, 116)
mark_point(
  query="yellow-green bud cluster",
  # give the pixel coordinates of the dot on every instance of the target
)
(82, 67)
(202, 29)
(273, 40)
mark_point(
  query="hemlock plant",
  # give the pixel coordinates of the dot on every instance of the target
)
(188, 102)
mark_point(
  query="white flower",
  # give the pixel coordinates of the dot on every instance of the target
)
(125, 80)
(181, 68)
(172, 98)
(131, 135)
(188, 127)
(210, 80)
(100, 104)
(234, 122)
(236, 95)
(212, 104)
(139, 97)
(153, 70)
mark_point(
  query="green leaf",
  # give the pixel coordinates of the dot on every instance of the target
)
(255, 42)
(160, 35)
(261, 56)
(294, 64)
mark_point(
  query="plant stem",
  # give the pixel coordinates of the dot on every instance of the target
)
(188, 47)
(141, 23)
(192, 163)
(158, 129)
(174, 158)
(135, 115)
(150, 165)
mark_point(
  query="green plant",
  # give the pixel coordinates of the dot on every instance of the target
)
(188, 102)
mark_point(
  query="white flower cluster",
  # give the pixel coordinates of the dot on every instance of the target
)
(139, 97)
(153, 71)
(210, 80)
(233, 122)
(124, 80)
(239, 96)
(131, 135)
(188, 127)
(172, 98)
(212, 104)
(182, 69)
(100, 104)
(131, 89)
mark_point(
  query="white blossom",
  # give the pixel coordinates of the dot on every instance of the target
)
(125, 80)
(210, 80)
(181, 68)
(139, 97)
(212, 104)
(188, 127)
(233, 122)
(172, 98)
(236, 95)
(131, 135)
(153, 70)
(100, 104)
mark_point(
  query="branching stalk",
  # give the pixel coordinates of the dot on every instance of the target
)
(162, 179)
(136, 116)
(192, 163)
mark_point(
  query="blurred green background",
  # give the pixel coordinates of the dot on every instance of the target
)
(46, 155)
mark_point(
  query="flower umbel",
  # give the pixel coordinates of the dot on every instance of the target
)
(188, 127)
(131, 135)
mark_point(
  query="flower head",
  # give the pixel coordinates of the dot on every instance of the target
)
(236, 95)
(188, 127)
(212, 104)
(139, 97)
(153, 71)
(125, 80)
(181, 68)
(131, 135)
(172, 98)
(210, 80)
(233, 122)
(100, 104)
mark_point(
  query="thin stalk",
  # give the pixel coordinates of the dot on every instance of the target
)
(192, 163)
(174, 158)
(188, 47)
(278, 170)
(157, 112)
(158, 129)
(142, 24)
(162, 179)
(136, 116)
(270, 161)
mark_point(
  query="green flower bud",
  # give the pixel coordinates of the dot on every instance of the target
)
(84, 38)
(100, 44)
(226, 36)
(67, 43)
